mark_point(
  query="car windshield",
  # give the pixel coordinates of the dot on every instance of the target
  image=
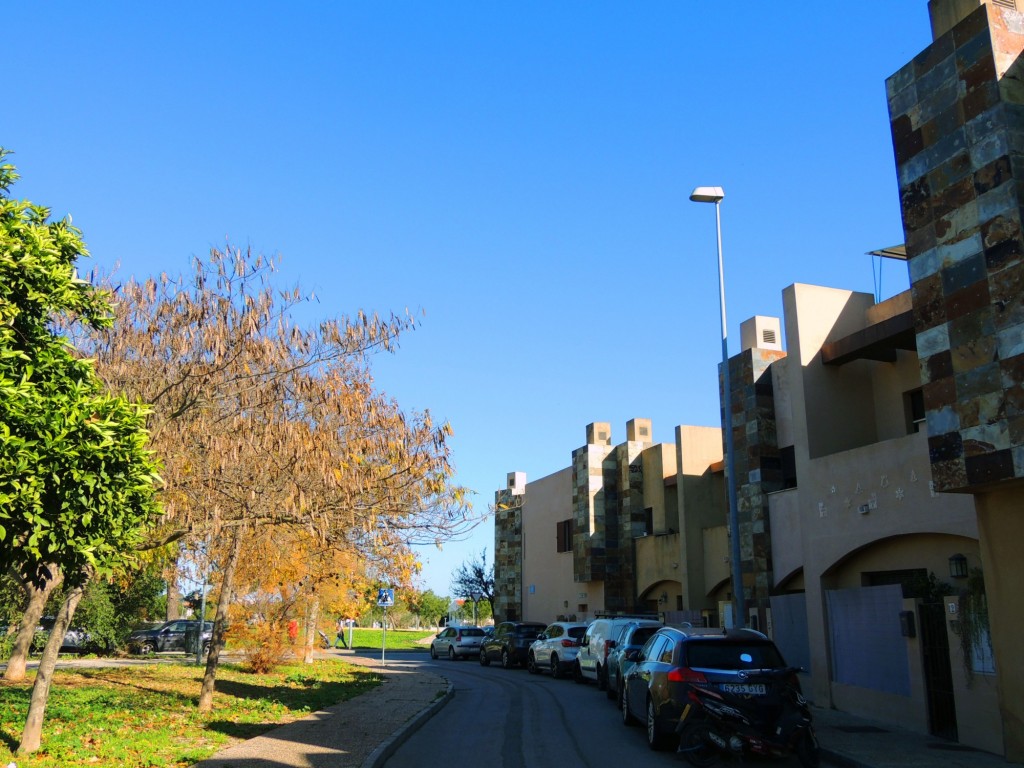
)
(719, 655)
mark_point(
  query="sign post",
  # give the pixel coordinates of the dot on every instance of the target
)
(385, 599)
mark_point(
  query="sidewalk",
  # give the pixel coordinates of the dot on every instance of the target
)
(359, 733)
(854, 742)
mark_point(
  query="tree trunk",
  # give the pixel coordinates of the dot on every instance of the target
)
(32, 735)
(174, 598)
(312, 616)
(219, 622)
(37, 598)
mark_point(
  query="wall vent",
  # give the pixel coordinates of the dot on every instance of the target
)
(1011, 4)
(768, 336)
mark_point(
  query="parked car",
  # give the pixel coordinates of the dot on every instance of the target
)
(555, 648)
(592, 660)
(654, 690)
(457, 642)
(76, 639)
(631, 637)
(169, 636)
(510, 643)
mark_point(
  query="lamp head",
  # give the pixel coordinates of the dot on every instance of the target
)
(707, 195)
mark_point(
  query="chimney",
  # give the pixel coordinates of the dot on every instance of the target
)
(946, 14)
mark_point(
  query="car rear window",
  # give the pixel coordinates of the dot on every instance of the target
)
(577, 632)
(642, 634)
(472, 632)
(718, 655)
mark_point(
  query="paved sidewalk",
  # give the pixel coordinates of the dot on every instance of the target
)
(359, 733)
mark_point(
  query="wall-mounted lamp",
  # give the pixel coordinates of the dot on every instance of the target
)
(663, 598)
(675, 565)
(958, 566)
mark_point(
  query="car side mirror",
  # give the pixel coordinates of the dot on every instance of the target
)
(542, 636)
(632, 654)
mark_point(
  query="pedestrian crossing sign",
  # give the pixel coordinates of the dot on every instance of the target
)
(385, 598)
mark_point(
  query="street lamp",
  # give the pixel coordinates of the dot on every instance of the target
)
(715, 195)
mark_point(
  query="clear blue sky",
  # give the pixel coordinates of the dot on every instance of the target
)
(518, 171)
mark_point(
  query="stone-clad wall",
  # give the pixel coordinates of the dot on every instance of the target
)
(508, 555)
(958, 133)
(594, 503)
(757, 463)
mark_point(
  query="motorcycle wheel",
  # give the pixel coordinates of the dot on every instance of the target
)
(807, 751)
(693, 745)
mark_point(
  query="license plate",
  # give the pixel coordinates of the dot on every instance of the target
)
(747, 689)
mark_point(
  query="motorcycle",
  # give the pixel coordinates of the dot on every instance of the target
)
(764, 713)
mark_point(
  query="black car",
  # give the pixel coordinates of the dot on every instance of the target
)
(169, 636)
(654, 690)
(510, 643)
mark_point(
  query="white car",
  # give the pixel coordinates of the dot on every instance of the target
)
(555, 648)
(592, 660)
(457, 642)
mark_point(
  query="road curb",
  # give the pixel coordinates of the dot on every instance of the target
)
(379, 756)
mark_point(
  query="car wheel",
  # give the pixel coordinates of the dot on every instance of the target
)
(655, 739)
(451, 653)
(694, 745)
(627, 718)
(531, 664)
(556, 667)
(484, 661)
(807, 750)
(206, 649)
(577, 673)
(506, 660)
(146, 648)
(433, 651)
(602, 678)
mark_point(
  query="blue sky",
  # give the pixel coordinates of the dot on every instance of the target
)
(519, 172)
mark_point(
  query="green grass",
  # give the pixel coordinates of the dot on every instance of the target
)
(145, 716)
(398, 639)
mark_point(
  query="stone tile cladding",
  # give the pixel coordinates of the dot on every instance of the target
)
(957, 119)
(631, 522)
(757, 464)
(594, 502)
(508, 555)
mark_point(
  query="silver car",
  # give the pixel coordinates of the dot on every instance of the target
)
(457, 642)
(555, 648)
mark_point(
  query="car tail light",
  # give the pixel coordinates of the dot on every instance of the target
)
(569, 643)
(686, 675)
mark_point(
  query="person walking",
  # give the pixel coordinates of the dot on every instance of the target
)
(341, 635)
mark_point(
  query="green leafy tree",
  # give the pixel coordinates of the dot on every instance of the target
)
(428, 607)
(77, 485)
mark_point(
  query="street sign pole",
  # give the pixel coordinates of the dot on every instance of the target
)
(384, 636)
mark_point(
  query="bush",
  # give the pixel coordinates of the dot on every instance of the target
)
(263, 646)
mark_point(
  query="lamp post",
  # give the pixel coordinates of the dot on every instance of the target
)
(715, 195)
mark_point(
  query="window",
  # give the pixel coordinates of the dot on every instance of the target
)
(649, 521)
(787, 456)
(913, 405)
(563, 536)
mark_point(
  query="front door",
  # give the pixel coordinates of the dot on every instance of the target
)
(938, 677)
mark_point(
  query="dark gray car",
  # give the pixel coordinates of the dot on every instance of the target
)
(169, 636)
(510, 643)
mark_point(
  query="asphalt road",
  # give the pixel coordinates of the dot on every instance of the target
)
(512, 719)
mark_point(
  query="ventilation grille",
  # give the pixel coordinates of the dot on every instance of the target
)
(1011, 4)
(768, 335)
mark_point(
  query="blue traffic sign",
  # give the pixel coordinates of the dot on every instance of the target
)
(385, 597)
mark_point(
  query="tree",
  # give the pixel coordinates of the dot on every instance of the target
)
(474, 580)
(77, 483)
(428, 607)
(267, 425)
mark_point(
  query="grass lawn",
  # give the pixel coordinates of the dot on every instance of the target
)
(398, 639)
(146, 715)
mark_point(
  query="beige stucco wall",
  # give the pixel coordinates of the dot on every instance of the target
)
(787, 552)
(976, 699)
(547, 575)
(1001, 519)
(659, 462)
(657, 561)
(701, 499)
